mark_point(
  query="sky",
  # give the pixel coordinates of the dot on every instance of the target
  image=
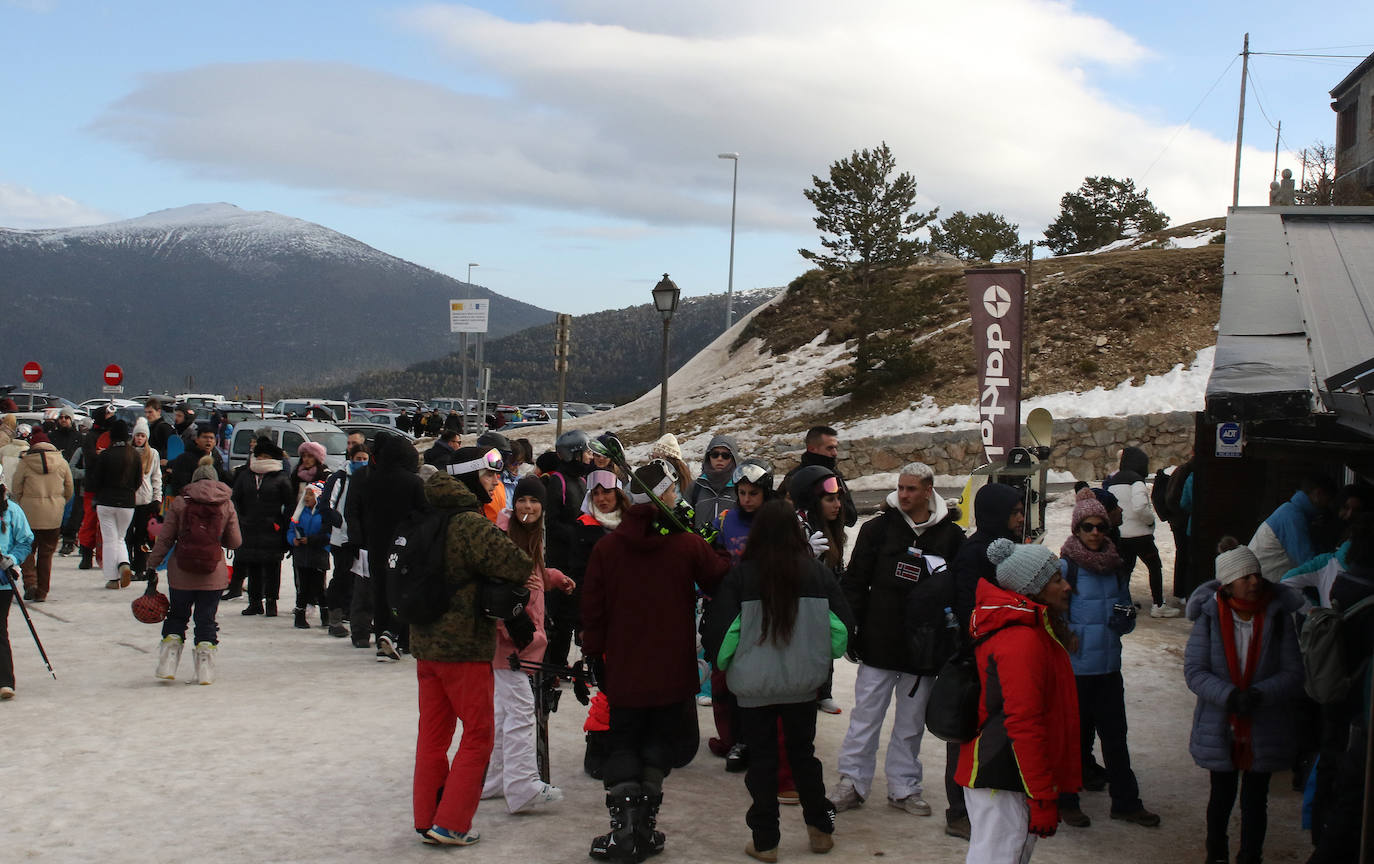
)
(570, 147)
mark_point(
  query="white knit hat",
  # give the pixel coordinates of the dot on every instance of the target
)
(1236, 564)
(141, 425)
(666, 446)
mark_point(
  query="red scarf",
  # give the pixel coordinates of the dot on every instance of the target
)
(1242, 751)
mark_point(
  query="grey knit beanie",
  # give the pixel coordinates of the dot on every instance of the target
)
(205, 469)
(1235, 564)
(1025, 569)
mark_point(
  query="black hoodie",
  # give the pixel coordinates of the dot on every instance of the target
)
(992, 508)
(391, 491)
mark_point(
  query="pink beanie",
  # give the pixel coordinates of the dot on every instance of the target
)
(314, 448)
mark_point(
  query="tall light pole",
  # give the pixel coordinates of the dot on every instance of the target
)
(665, 301)
(464, 421)
(730, 286)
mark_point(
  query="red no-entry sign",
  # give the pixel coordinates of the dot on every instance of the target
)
(33, 373)
(114, 376)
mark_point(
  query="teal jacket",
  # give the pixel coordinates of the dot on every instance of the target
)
(16, 539)
(763, 672)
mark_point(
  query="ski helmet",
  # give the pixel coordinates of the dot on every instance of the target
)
(802, 488)
(571, 444)
(756, 472)
(497, 440)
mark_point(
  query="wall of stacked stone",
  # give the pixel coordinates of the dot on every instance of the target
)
(1086, 447)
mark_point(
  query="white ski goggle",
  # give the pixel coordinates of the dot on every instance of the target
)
(488, 461)
(750, 473)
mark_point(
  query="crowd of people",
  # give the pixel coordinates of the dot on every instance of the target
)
(729, 587)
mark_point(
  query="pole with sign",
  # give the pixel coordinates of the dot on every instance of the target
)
(467, 316)
(33, 376)
(114, 379)
(996, 302)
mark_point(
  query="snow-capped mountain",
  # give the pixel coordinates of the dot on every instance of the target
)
(233, 297)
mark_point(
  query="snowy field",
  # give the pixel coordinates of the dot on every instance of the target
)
(302, 751)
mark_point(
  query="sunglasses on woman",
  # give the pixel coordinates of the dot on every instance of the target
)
(719, 454)
(1093, 527)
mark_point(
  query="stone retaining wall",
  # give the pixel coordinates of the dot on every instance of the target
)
(1087, 447)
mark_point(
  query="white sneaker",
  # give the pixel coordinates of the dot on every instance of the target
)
(168, 656)
(205, 662)
(829, 706)
(547, 794)
(1164, 612)
(913, 804)
(703, 700)
(845, 796)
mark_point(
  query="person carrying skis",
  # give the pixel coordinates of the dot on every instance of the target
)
(639, 635)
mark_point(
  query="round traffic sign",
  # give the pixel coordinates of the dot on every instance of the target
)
(114, 375)
(33, 373)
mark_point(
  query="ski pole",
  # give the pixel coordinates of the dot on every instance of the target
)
(14, 586)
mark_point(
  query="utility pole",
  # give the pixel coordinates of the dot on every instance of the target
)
(1240, 119)
(562, 324)
(1278, 133)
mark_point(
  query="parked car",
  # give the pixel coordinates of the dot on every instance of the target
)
(200, 400)
(302, 407)
(578, 409)
(289, 435)
(91, 404)
(411, 405)
(370, 431)
(26, 400)
(603, 406)
(372, 405)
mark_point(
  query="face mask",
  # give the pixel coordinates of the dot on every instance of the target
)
(354, 466)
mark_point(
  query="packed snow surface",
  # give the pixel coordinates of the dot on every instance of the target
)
(302, 751)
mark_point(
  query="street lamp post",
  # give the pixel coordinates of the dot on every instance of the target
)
(665, 301)
(464, 421)
(730, 286)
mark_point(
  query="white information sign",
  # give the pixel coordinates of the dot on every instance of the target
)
(468, 316)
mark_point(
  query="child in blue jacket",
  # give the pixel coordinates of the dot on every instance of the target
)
(308, 538)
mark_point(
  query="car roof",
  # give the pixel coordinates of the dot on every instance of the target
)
(303, 425)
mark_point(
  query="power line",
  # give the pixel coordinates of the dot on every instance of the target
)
(1301, 54)
(1184, 124)
(1326, 48)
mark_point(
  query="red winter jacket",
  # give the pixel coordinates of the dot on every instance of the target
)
(1028, 711)
(638, 609)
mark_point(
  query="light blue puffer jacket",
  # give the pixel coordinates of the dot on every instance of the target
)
(16, 538)
(1099, 630)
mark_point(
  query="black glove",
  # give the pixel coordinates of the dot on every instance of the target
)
(520, 629)
(596, 671)
(1243, 702)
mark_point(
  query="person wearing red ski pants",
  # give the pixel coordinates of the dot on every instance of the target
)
(450, 693)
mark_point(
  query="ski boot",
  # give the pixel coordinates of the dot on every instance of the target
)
(623, 802)
(648, 839)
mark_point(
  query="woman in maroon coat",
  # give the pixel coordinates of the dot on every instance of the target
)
(194, 592)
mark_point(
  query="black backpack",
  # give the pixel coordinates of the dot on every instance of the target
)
(931, 641)
(416, 585)
(1159, 494)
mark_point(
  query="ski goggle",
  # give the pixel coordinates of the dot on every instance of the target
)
(488, 461)
(669, 473)
(830, 485)
(603, 480)
(750, 473)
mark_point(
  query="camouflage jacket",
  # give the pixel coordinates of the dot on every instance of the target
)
(475, 547)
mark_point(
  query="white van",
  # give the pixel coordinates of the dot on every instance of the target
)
(301, 407)
(289, 435)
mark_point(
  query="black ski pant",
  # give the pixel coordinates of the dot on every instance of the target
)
(1183, 558)
(310, 589)
(954, 793)
(1144, 548)
(1102, 714)
(6, 656)
(138, 536)
(339, 594)
(562, 617)
(382, 619)
(759, 727)
(641, 743)
(1254, 813)
(263, 577)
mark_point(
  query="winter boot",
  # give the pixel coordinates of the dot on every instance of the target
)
(336, 627)
(205, 662)
(168, 656)
(235, 588)
(269, 608)
(87, 554)
(300, 623)
(68, 547)
(254, 607)
(648, 839)
(623, 802)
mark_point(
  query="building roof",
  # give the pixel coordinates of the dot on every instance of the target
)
(1355, 75)
(1296, 335)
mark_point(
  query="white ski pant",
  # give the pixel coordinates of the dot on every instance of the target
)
(513, 771)
(114, 524)
(1000, 820)
(873, 689)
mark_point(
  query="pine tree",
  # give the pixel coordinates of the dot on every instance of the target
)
(980, 237)
(1102, 211)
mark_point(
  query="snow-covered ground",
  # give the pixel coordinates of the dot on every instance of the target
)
(302, 751)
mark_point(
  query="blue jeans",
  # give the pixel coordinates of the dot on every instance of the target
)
(201, 604)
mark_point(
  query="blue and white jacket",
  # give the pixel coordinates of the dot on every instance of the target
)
(16, 540)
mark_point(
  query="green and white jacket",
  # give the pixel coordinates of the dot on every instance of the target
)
(764, 672)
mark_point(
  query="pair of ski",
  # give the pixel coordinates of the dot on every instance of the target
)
(610, 447)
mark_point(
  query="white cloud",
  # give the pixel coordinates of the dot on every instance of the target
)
(21, 207)
(617, 109)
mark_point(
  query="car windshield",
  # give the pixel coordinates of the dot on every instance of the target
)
(335, 443)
